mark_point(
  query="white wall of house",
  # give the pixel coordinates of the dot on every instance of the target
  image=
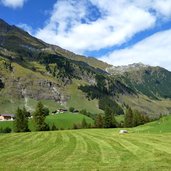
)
(2, 118)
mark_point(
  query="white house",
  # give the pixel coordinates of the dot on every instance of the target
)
(7, 117)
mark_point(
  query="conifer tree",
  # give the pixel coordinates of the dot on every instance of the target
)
(128, 118)
(99, 122)
(39, 118)
(84, 123)
(25, 119)
(109, 120)
(21, 121)
(114, 122)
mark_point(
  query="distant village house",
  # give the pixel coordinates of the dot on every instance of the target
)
(7, 117)
(59, 111)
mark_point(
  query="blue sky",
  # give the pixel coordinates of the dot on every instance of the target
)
(119, 32)
(32, 14)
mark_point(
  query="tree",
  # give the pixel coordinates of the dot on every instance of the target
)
(83, 111)
(128, 118)
(39, 118)
(114, 122)
(84, 123)
(71, 109)
(21, 121)
(54, 127)
(109, 120)
(45, 111)
(99, 122)
(139, 119)
(26, 114)
(110, 103)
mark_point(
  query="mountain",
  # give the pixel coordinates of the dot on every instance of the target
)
(16, 39)
(153, 82)
(32, 70)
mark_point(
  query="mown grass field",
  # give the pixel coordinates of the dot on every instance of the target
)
(144, 148)
(95, 149)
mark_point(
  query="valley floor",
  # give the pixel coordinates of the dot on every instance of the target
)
(85, 150)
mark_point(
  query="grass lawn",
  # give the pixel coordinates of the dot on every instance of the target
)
(144, 148)
(92, 149)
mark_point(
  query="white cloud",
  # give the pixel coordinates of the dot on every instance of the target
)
(163, 7)
(154, 50)
(26, 27)
(13, 3)
(120, 20)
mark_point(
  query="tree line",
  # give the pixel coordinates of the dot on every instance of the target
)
(131, 119)
(106, 120)
(21, 123)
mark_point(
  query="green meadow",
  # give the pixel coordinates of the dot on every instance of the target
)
(61, 121)
(67, 120)
(145, 148)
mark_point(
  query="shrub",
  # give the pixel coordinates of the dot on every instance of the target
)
(5, 130)
(71, 109)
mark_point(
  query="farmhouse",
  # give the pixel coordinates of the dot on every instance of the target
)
(6, 117)
(61, 110)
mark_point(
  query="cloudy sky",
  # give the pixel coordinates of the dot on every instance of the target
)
(119, 32)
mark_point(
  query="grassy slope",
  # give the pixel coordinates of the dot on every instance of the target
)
(10, 106)
(95, 149)
(119, 118)
(64, 121)
(78, 99)
(67, 120)
(160, 126)
(147, 105)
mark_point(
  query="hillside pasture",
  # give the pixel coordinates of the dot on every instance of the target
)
(67, 120)
(163, 125)
(61, 121)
